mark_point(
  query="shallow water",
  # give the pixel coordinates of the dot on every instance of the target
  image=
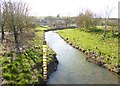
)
(72, 67)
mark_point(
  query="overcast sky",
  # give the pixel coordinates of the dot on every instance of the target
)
(70, 7)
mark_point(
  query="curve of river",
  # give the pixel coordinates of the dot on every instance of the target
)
(72, 67)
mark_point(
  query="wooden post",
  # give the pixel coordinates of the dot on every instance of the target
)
(44, 62)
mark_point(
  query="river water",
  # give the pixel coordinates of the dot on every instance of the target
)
(72, 67)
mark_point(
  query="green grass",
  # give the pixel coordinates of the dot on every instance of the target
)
(22, 67)
(1, 59)
(41, 28)
(38, 42)
(91, 40)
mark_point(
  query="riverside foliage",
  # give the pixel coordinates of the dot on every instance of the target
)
(27, 67)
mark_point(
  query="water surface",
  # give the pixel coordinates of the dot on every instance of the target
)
(72, 67)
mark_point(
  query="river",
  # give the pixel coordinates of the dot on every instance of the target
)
(73, 68)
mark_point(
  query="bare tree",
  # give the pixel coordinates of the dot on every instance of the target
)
(0, 17)
(84, 19)
(106, 16)
(1, 24)
(113, 22)
(96, 20)
(16, 19)
(67, 21)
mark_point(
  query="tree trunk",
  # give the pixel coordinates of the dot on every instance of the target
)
(105, 28)
(105, 31)
(15, 35)
(2, 30)
(112, 32)
(16, 40)
(21, 30)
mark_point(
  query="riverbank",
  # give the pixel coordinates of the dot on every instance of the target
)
(102, 52)
(51, 55)
(27, 67)
(73, 68)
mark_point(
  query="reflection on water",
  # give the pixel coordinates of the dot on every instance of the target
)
(72, 67)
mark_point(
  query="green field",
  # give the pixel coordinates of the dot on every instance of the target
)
(94, 41)
(41, 28)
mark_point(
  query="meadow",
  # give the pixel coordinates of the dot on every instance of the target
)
(94, 41)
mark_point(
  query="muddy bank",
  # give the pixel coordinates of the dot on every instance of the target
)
(96, 58)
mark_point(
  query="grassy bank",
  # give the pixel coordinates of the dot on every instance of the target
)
(93, 42)
(27, 67)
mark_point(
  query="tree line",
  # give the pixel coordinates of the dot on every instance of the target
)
(87, 19)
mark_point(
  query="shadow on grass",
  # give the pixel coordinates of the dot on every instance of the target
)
(101, 31)
(96, 30)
